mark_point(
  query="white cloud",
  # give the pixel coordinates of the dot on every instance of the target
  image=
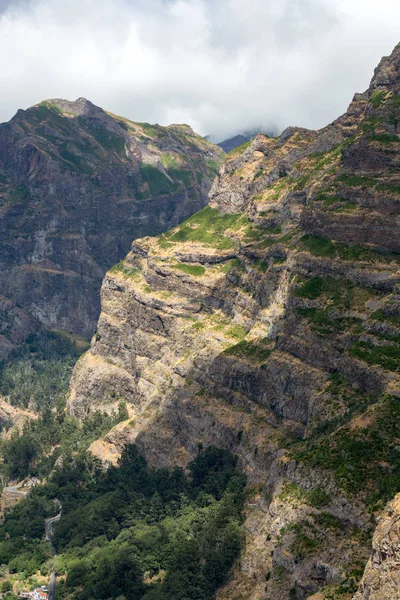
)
(221, 65)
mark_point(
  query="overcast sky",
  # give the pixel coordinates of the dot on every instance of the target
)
(223, 66)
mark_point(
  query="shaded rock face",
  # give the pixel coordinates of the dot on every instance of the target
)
(76, 186)
(268, 323)
(234, 142)
(382, 574)
(15, 326)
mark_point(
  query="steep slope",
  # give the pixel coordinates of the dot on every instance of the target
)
(234, 142)
(268, 323)
(77, 184)
(382, 576)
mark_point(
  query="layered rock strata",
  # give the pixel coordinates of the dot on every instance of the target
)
(268, 323)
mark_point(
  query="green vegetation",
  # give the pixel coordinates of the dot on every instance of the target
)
(164, 243)
(235, 263)
(302, 182)
(255, 351)
(381, 315)
(75, 160)
(295, 493)
(124, 270)
(384, 138)
(370, 124)
(395, 101)
(337, 290)
(128, 531)
(37, 377)
(240, 149)
(195, 270)
(213, 166)
(358, 180)
(170, 161)
(107, 139)
(357, 253)
(365, 459)
(305, 543)
(377, 97)
(318, 245)
(387, 187)
(19, 193)
(386, 356)
(50, 106)
(328, 521)
(183, 175)
(131, 531)
(38, 374)
(158, 183)
(329, 200)
(345, 206)
(207, 226)
(254, 233)
(322, 323)
(152, 131)
(278, 187)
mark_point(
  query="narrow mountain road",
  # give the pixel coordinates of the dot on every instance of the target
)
(52, 586)
(48, 526)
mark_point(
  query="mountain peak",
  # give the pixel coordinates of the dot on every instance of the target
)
(79, 107)
(387, 73)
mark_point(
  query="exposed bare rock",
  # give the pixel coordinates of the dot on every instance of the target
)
(77, 184)
(267, 323)
(381, 580)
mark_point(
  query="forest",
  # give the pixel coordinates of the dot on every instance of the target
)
(128, 531)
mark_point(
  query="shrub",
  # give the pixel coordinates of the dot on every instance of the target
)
(376, 98)
(384, 138)
(158, 183)
(358, 180)
(387, 356)
(254, 352)
(319, 245)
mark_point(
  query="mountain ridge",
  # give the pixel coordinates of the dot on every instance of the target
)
(268, 323)
(77, 184)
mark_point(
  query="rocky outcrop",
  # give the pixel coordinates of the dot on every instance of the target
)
(381, 579)
(268, 323)
(77, 184)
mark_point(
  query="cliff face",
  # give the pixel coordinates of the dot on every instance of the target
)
(77, 184)
(269, 323)
(382, 575)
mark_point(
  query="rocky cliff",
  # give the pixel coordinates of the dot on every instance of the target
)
(269, 323)
(77, 184)
(382, 574)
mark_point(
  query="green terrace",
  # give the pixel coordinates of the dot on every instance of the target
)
(122, 269)
(319, 245)
(336, 292)
(208, 226)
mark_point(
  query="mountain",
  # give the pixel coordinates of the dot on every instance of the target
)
(243, 138)
(268, 323)
(77, 184)
(234, 142)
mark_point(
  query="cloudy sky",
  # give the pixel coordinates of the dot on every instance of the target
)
(222, 66)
